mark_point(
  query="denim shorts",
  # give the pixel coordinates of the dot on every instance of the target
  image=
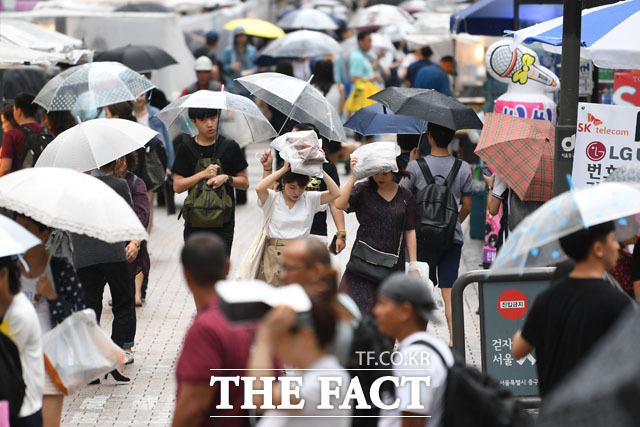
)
(443, 265)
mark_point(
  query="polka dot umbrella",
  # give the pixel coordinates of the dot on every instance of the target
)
(93, 85)
(535, 241)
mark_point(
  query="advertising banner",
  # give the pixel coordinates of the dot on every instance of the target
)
(607, 138)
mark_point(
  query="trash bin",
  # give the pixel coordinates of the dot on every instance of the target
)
(478, 210)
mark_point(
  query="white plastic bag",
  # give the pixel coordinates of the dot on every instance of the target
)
(302, 151)
(374, 158)
(80, 351)
(423, 269)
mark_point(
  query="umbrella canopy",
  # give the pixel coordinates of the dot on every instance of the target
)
(23, 34)
(608, 35)
(14, 238)
(72, 201)
(535, 241)
(521, 152)
(91, 86)
(302, 44)
(14, 56)
(256, 27)
(380, 15)
(629, 174)
(298, 100)
(376, 119)
(138, 57)
(240, 119)
(143, 7)
(94, 143)
(29, 79)
(494, 17)
(430, 105)
(307, 19)
(611, 400)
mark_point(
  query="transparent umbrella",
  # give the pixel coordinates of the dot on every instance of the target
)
(240, 119)
(93, 85)
(95, 143)
(380, 15)
(302, 44)
(535, 241)
(72, 201)
(14, 238)
(298, 100)
(309, 19)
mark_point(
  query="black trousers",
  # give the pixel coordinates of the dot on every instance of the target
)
(116, 274)
(225, 233)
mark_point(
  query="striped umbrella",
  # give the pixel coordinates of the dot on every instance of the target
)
(609, 34)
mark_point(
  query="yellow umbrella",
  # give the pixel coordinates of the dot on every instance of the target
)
(256, 27)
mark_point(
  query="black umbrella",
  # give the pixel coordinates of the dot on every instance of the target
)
(429, 105)
(138, 57)
(604, 388)
(143, 7)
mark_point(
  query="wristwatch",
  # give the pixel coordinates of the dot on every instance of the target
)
(230, 180)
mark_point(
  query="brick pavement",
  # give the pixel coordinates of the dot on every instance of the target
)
(169, 309)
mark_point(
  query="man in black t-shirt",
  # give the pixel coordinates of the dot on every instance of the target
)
(209, 145)
(567, 320)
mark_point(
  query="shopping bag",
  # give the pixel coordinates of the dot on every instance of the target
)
(373, 158)
(250, 264)
(79, 351)
(358, 98)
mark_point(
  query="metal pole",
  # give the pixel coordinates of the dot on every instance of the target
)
(516, 15)
(568, 103)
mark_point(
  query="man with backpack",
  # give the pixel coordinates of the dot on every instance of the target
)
(405, 306)
(209, 166)
(441, 184)
(28, 134)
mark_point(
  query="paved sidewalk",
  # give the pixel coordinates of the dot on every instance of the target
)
(149, 398)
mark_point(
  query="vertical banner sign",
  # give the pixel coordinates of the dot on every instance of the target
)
(505, 306)
(607, 138)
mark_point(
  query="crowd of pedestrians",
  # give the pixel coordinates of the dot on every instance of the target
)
(381, 294)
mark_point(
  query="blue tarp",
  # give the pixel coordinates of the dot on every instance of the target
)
(493, 17)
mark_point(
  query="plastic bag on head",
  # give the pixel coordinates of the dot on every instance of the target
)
(302, 151)
(374, 158)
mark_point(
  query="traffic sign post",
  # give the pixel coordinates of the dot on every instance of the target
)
(505, 299)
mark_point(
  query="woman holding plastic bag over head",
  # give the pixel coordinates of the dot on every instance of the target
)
(386, 213)
(291, 211)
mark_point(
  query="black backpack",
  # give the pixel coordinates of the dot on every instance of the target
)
(437, 209)
(154, 169)
(34, 145)
(367, 340)
(472, 398)
(12, 387)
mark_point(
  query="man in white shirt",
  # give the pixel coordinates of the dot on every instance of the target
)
(405, 306)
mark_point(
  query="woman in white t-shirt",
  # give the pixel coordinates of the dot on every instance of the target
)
(20, 323)
(292, 215)
(300, 340)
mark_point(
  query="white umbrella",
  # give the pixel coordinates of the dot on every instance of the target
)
(240, 119)
(302, 44)
(609, 35)
(380, 15)
(535, 241)
(95, 143)
(72, 201)
(298, 100)
(14, 238)
(93, 85)
(307, 19)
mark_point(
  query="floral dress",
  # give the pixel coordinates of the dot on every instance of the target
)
(381, 225)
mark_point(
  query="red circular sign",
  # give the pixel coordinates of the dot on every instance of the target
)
(596, 151)
(512, 304)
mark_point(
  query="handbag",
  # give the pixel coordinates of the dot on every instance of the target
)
(372, 264)
(250, 264)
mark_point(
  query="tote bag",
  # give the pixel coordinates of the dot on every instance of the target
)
(248, 269)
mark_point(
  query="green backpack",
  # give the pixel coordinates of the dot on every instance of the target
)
(205, 206)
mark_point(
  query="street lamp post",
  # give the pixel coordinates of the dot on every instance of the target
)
(568, 103)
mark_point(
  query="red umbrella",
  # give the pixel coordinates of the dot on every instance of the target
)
(521, 152)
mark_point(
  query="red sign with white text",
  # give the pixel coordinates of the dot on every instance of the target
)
(626, 88)
(512, 304)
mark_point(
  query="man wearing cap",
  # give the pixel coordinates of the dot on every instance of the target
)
(205, 70)
(405, 306)
(209, 50)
